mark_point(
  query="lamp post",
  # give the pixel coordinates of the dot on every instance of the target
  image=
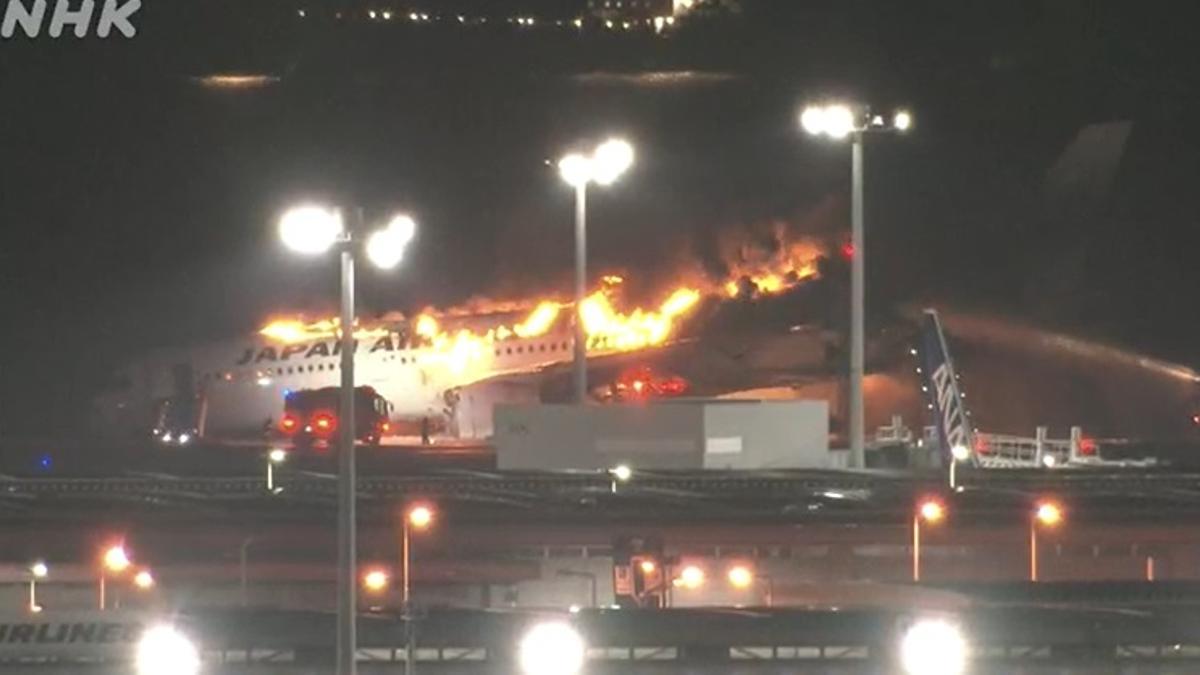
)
(115, 559)
(1046, 514)
(418, 517)
(312, 230)
(37, 570)
(275, 457)
(839, 122)
(608, 161)
(619, 474)
(930, 511)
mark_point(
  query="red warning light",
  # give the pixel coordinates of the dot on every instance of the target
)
(1087, 446)
(848, 250)
(324, 423)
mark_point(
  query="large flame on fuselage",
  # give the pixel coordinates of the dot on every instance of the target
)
(607, 328)
(607, 325)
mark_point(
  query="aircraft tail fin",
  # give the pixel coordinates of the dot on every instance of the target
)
(940, 383)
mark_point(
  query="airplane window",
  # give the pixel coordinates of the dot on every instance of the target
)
(508, 350)
(542, 347)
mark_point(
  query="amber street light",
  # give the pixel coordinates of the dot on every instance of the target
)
(1047, 514)
(929, 511)
(114, 560)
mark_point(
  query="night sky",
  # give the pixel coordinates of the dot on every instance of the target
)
(137, 207)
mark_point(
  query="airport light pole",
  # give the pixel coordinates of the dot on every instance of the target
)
(1046, 514)
(418, 517)
(930, 511)
(840, 122)
(312, 230)
(275, 457)
(115, 559)
(37, 570)
(609, 160)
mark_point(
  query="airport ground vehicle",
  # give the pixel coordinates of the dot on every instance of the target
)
(310, 416)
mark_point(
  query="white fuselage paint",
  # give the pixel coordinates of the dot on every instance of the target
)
(243, 388)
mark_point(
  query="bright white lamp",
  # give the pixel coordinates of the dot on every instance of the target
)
(163, 650)
(552, 648)
(613, 157)
(310, 230)
(933, 647)
(385, 247)
(839, 121)
(575, 169)
(813, 120)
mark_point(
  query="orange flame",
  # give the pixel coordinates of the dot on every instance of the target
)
(795, 263)
(753, 269)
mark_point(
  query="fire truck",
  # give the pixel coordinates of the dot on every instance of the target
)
(310, 416)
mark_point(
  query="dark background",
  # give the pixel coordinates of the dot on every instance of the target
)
(137, 206)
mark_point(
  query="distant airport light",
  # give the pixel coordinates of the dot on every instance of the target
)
(741, 577)
(552, 648)
(690, 577)
(420, 517)
(933, 647)
(648, 566)
(116, 559)
(277, 455)
(902, 120)
(163, 650)
(376, 580)
(144, 580)
(932, 511)
(310, 230)
(960, 452)
(185, 438)
(1050, 461)
(1048, 514)
(39, 570)
(622, 472)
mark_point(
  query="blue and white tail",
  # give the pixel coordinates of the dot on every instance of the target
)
(940, 383)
